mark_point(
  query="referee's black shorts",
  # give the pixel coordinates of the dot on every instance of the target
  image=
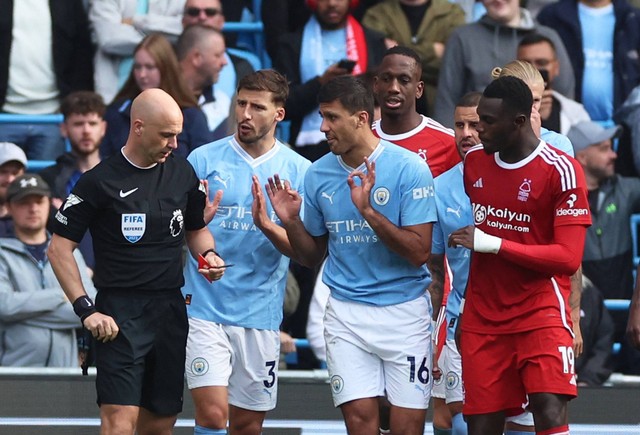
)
(144, 365)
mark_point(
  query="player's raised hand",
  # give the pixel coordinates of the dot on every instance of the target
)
(361, 194)
(286, 202)
(210, 207)
(259, 204)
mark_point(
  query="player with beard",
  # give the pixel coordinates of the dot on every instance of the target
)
(454, 211)
(397, 85)
(370, 205)
(234, 341)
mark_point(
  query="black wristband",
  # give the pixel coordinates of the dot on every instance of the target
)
(84, 307)
(204, 254)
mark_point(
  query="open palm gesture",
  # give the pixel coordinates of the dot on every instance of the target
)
(286, 202)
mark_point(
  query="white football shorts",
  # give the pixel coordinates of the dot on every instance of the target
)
(241, 359)
(372, 350)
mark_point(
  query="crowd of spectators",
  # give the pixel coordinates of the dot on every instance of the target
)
(89, 60)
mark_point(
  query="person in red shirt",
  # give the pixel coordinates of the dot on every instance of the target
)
(531, 213)
(396, 87)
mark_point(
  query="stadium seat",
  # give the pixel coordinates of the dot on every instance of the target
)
(254, 60)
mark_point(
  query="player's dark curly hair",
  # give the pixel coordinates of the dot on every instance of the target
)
(352, 93)
(514, 93)
(268, 80)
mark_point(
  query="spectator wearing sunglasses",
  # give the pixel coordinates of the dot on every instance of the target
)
(209, 13)
(119, 26)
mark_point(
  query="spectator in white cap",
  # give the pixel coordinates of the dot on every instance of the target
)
(13, 162)
(607, 259)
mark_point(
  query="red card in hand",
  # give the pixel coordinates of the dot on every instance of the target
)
(204, 264)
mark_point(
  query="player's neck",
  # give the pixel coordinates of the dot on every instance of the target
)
(367, 143)
(398, 124)
(520, 150)
(259, 147)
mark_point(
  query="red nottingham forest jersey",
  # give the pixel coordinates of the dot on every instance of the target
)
(525, 202)
(432, 141)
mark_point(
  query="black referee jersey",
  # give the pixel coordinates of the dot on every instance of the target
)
(137, 218)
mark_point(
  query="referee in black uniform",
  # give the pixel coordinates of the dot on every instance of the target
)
(140, 205)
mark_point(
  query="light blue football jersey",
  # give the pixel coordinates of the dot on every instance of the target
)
(454, 211)
(557, 140)
(360, 268)
(251, 293)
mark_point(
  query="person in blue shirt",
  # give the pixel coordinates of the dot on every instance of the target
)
(371, 203)
(454, 211)
(234, 341)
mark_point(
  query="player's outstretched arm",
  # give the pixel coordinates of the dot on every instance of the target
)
(411, 242)
(286, 202)
(65, 267)
(275, 233)
(633, 326)
(562, 257)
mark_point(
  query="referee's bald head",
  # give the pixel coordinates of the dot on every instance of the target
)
(156, 121)
(153, 103)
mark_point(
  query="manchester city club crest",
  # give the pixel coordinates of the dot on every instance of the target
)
(453, 380)
(133, 226)
(381, 196)
(199, 366)
(337, 384)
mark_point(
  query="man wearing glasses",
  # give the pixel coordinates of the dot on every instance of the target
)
(209, 13)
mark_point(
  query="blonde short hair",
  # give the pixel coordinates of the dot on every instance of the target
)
(520, 69)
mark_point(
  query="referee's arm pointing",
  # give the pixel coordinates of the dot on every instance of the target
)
(64, 265)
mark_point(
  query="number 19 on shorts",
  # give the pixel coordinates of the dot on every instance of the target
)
(567, 359)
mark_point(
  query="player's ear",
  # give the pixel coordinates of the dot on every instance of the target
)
(419, 89)
(280, 112)
(363, 118)
(520, 119)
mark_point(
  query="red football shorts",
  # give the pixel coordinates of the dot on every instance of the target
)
(498, 371)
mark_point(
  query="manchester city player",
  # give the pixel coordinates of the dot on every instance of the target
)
(233, 345)
(371, 203)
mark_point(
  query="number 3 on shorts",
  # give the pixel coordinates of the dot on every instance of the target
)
(271, 373)
(423, 371)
